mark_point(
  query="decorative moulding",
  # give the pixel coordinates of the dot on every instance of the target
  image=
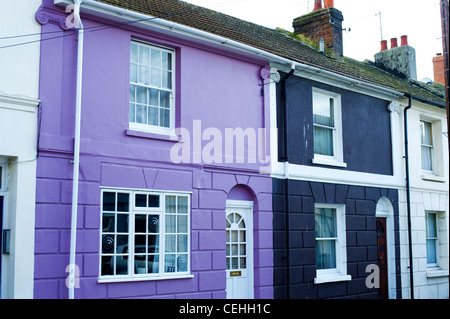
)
(44, 16)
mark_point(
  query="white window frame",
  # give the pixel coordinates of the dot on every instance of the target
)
(338, 154)
(436, 238)
(340, 272)
(161, 275)
(148, 127)
(431, 147)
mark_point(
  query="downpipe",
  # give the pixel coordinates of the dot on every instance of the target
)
(76, 156)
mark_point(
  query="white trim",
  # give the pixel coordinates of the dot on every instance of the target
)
(384, 209)
(340, 272)
(132, 211)
(239, 203)
(18, 103)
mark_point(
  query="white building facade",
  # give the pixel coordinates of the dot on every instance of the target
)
(19, 108)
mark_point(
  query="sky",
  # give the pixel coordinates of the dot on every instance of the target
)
(420, 20)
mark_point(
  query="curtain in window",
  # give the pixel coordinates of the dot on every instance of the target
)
(431, 230)
(323, 118)
(326, 237)
(427, 145)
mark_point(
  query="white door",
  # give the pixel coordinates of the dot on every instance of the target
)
(239, 249)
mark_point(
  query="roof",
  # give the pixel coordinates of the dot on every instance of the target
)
(274, 42)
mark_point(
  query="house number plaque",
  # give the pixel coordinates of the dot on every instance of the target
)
(235, 273)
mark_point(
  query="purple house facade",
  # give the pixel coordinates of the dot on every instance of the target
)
(165, 208)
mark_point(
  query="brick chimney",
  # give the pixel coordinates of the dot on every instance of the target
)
(399, 60)
(439, 68)
(323, 22)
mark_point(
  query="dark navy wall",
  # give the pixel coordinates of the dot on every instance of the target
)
(365, 122)
(360, 209)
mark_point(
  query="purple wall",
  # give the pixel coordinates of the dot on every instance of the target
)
(222, 91)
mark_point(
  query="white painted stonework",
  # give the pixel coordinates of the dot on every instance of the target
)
(19, 84)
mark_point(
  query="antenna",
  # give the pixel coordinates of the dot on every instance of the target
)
(381, 27)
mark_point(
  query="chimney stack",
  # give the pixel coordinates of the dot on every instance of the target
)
(399, 60)
(323, 23)
(439, 68)
(317, 5)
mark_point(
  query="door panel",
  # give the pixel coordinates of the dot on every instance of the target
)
(239, 253)
(382, 257)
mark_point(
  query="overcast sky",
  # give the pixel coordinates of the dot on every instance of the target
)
(419, 19)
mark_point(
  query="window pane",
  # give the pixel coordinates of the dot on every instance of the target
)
(166, 79)
(182, 243)
(139, 264)
(152, 115)
(427, 158)
(153, 224)
(123, 202)
(153, 200)
(122, 223)
(164, 119)
(153, 264)
(132, 114)
(153, 244)
(121, 265)
(166, 60)
(139, 223)
(431, 251)
(165, 99)
(431, 225)
(154, 97)
(182, 262)
(170, 223)
(139, 244)
(323, 141)
(182, 205)
(140, 200)
(326, 226)
(107, 265)
(323, 110)
(170, 243)
(182, 224)
(156, 77)
(144, 74)
(169, 264)
(170, 204)
(144, 55)
(108, 222)
(134, 53)
(426, 137)
(108, 242)
(141, 114)
(133, 73)
(141, 95)
(156, 58)
(325, 254)
(109, 201)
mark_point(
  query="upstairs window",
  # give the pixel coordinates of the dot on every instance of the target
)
(426, 142)
(327, 124)
(151, 88)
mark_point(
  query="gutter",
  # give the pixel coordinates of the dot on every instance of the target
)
(408, 195)
(181, 31)
(76, 161)
(285, 158)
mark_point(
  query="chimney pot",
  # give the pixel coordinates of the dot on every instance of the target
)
(394, 43)
(404, 40)
(383, 45)
(329, 3)
(317, 5)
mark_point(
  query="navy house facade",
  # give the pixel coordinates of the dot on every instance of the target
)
(302, 256)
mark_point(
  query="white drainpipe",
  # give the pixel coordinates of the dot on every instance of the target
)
(73, 270)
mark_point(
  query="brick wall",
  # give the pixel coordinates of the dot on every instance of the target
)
(360, 208)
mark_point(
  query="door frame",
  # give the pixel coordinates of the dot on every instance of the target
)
(386, 210)
(248, 205)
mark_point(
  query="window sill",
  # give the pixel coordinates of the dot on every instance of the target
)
(154, 136)
(434, 273)
(433, 178)
(328, 161)
(323, 279)
(142, 278)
